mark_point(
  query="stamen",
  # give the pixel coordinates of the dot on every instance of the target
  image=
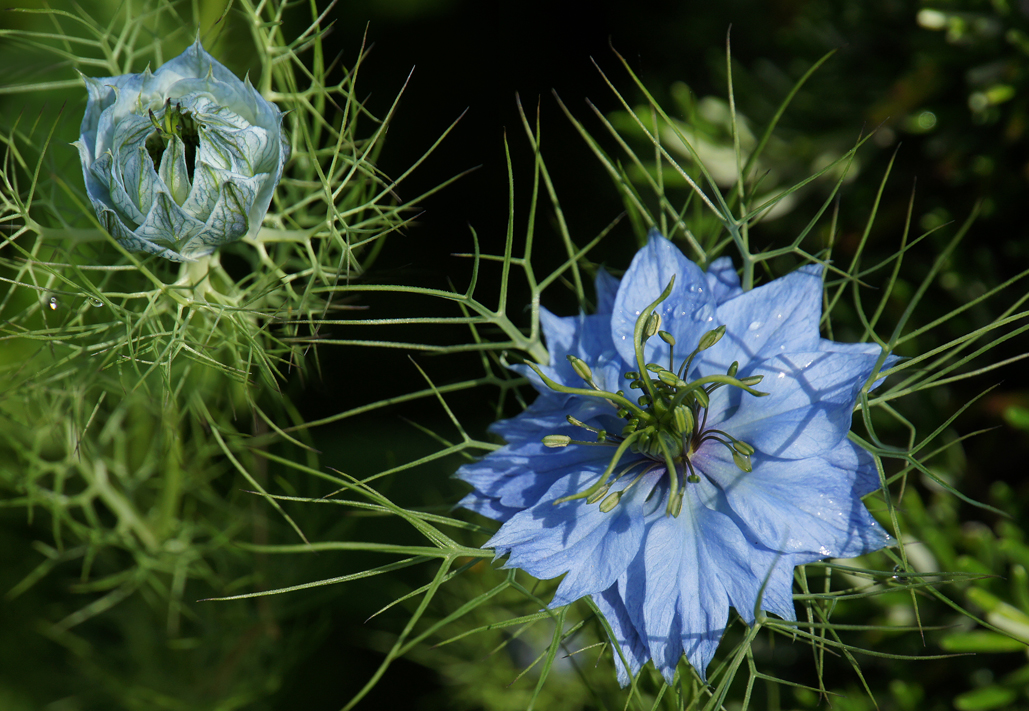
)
(662, 425)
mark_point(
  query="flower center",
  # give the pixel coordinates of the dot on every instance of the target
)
(667, 423)
(173, 122)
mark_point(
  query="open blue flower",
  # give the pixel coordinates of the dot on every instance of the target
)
(729, 467)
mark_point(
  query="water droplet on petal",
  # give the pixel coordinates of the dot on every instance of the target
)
(755, 325)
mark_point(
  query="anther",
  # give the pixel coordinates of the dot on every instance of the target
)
(554, 441)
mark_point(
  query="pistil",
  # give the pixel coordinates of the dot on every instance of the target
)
(668, 422)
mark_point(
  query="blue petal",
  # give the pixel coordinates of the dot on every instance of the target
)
(488, 507)
(687, 313)
(546, 412)
(627, 643)
(778, 317)
(809, 406)
(809, 506)
(607, 289)
(521, 475)
(692, 568)
(592, 547)
(673, 592)
(585, 337)
(723, 280)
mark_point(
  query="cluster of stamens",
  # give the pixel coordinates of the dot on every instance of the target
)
(667, 423)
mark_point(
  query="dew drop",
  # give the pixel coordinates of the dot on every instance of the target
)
(53, 303)
(95, 302)
(755, 325)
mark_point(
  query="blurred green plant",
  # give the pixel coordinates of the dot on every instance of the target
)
(135, 391)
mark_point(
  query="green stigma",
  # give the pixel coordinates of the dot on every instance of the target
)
(173, 123)
(667, 421)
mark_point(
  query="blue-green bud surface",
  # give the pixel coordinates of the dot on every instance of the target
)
(183, 160)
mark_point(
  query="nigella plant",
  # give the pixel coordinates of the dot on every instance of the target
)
(182, 160)
(688, 448)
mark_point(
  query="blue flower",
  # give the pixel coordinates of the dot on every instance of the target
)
(729, 467)
(182, 160)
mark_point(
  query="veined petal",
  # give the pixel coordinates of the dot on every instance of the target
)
(241, 151)
(802, 506)
(628, 643)
(229, 220)
(778, 317)
(809, 405)
(116, 194)
(548, 414)
(522, 475)
(206, 188)
(673, 590)
(166, 224)
(592, 547)
(136, 170)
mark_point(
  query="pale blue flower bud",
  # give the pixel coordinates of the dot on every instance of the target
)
(183, 160)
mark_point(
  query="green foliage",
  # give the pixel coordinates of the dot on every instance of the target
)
(137, 393)
(157, 446)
